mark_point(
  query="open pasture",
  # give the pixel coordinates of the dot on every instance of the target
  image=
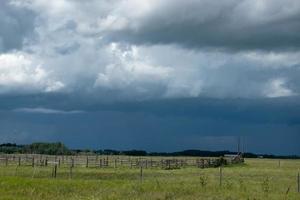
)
(255, 179)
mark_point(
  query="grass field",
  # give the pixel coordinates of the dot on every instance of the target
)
(256, 179)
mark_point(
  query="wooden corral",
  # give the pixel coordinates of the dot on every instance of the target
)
(104, 161)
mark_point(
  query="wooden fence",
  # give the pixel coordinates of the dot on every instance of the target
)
(103, 161)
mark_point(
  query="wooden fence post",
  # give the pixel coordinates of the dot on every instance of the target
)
(298, 182)
(32, 164)
(221, 175)
(72, 162)
(55, 170)
(19, 161)
(146, 164)
(141, 174)
(71, 172)
(6, 160)
(87, 161)
(100, 163)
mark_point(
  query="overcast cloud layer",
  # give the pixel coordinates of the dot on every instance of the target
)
(96, 52)
(151, 49)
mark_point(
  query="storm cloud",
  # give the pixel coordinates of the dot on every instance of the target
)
(162, 63)
(127, 49)
(17, 26)
(229, 24)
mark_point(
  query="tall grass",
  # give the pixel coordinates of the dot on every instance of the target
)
(256, 179)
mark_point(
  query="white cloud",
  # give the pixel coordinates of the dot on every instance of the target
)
(99, 46)
(22, 73)
(132, 73)
(277, 88)
(46, 111)
(273, 59)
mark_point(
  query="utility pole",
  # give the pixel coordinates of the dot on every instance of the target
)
(239, 145)
(243, 150)
(242, 145)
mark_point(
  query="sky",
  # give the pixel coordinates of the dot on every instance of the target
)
(150, 74)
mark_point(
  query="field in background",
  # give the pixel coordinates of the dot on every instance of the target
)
(256, 179)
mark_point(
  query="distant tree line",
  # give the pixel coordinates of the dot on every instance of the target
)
(59, 148)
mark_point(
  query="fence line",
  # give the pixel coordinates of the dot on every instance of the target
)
(102, 161)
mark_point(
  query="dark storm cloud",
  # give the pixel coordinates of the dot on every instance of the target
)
(164, 125)
(90, 47)
(250, 111)
(113, 74)
(16, 24)
(229, 24)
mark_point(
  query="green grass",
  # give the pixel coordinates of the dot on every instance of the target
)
(256, 179)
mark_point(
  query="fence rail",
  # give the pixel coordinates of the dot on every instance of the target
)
(102, 161)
